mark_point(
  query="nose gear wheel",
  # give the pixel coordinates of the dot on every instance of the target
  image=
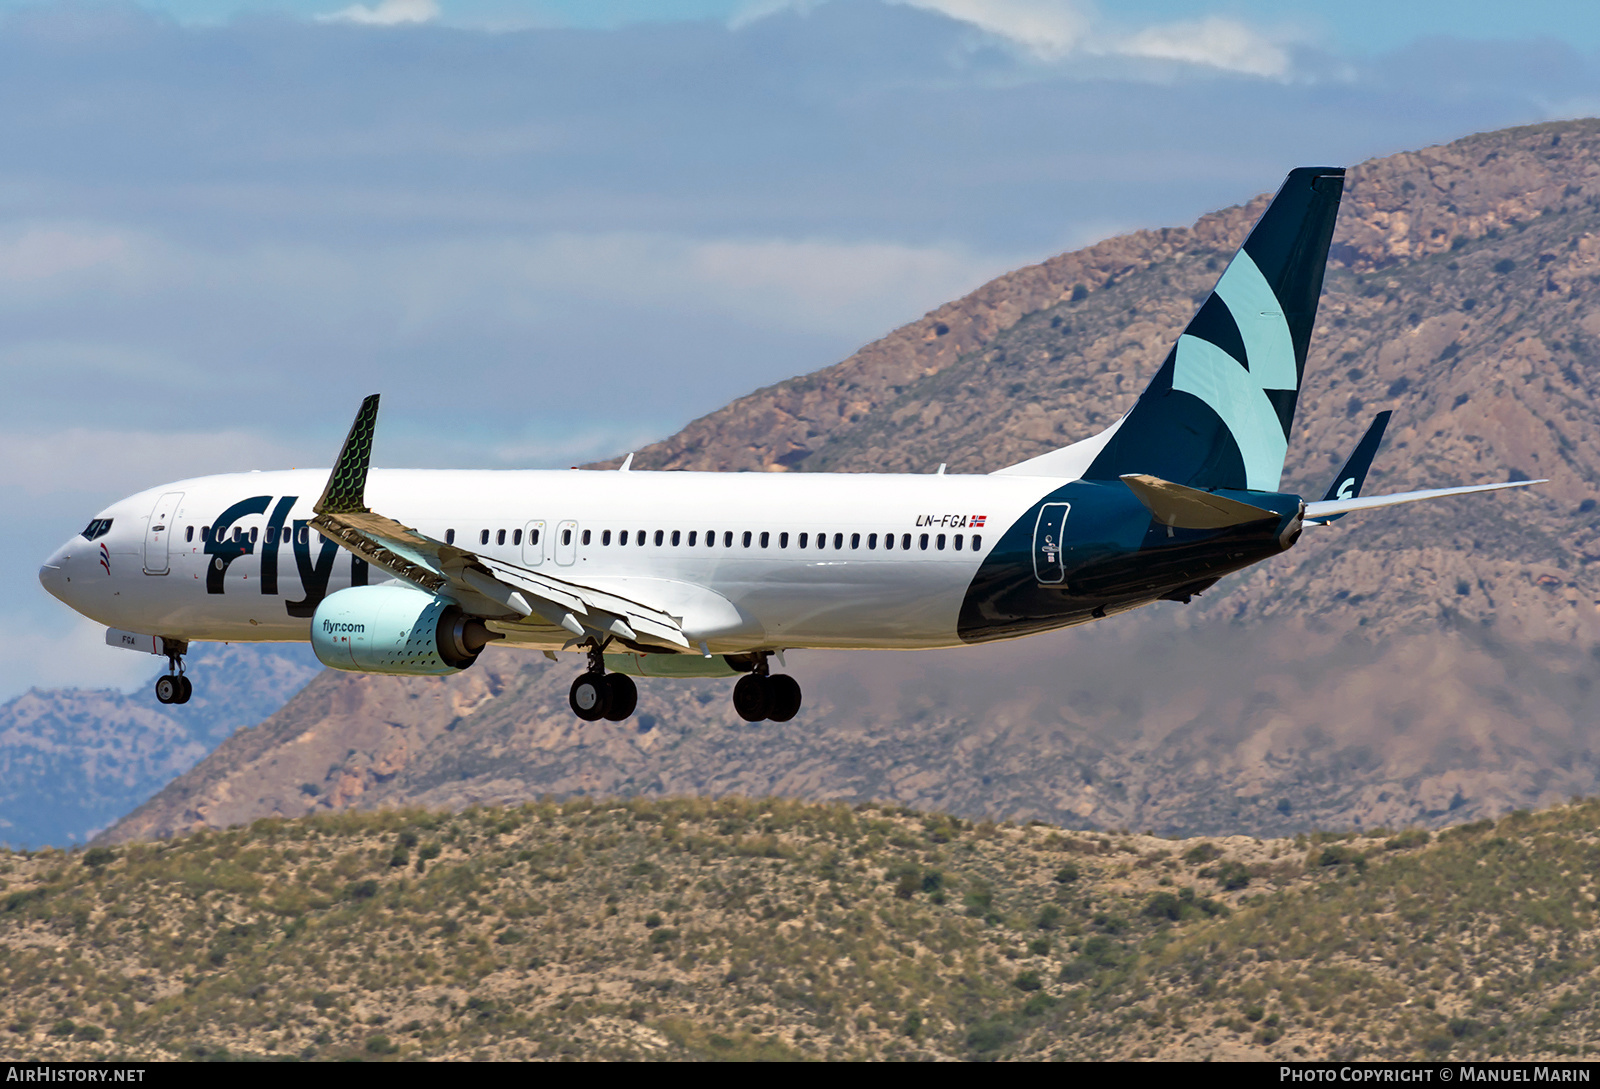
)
(174, 687)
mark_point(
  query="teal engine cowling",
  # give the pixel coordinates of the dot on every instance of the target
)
(396, 629)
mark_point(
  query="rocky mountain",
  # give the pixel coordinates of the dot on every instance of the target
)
(1419, 665)
(74, 760)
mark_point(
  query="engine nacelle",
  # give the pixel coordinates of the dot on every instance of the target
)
(396, 629)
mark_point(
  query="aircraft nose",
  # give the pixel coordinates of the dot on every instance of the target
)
(53, 574)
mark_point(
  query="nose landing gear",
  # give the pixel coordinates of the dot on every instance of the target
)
(760, 695)
(597, 694)
(174, 687)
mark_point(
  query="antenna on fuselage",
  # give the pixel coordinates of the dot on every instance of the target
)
(626, 463)
(940, 470)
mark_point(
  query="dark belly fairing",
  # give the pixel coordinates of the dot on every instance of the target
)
(1090, 548)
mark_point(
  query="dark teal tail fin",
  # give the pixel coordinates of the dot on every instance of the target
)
(1218, 412)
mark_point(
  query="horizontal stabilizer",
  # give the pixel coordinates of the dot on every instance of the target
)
(1189, 508)
(1321, 513)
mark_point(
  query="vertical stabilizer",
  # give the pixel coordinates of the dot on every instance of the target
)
(1218, 412)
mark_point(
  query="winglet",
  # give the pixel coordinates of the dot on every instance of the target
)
(1347, 484)
(347, 484)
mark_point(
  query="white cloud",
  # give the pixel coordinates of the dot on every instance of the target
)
(1055, 30)
(40, 252)
(76, 656)
(820, 286)
(100, 461)
(1214, 41)
(855, 288)
(385, 13)
(1048, 28)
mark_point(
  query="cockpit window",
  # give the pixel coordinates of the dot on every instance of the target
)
(97, 529)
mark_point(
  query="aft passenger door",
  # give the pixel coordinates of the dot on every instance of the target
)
(1048, 534)
(566, 542)
(158, 531)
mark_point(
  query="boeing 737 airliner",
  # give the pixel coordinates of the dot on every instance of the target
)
(713, 574)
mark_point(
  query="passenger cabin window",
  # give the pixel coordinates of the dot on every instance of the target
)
(660, 536)
(188, 534)
(605, 537)
(516, 536)
(622, 538)
(449, 536)
(783, 540)
(905, 541)
(500, 537)
(923, 543)
(872, 540)
(205, 533)
(727, 539)
(691, 538)
(255, 531)
(801, 543)
(676, 538)
(585, 536)
(566, 536)
(483, 537)
(765, 537)
(855, 540)
(747, 538)
(940, 542)
(838, 540)
(957, 542)
(888, 540)
(711, 538)
(977, 541)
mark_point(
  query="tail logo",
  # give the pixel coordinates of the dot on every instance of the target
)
(1237, 395)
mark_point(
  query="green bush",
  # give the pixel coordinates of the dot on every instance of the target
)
(1337, 854)
(1232, 875)
(1411, 837)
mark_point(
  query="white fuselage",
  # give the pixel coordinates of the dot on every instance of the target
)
(722, 550)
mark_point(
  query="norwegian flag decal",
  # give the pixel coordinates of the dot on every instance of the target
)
(978, 520)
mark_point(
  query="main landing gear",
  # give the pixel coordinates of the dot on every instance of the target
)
(597, 694)
(760, 695)
(174, 687)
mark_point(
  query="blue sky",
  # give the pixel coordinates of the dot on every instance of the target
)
(551, 232)
(1359, 26)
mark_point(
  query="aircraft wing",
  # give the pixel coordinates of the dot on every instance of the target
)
(1320, 513)
(491, 587)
